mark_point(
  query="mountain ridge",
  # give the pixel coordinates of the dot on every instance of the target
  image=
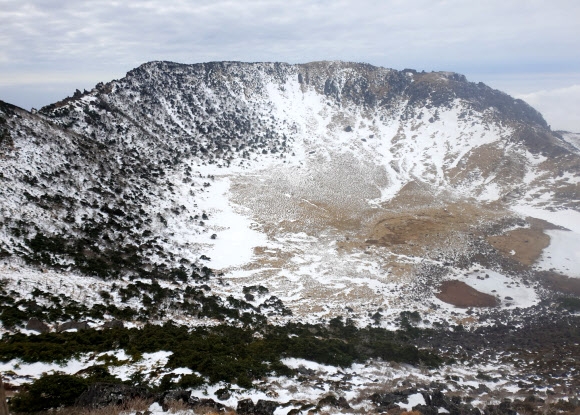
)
(319, 198)
(226, 113)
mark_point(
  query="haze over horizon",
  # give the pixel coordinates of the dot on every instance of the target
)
(527, 49)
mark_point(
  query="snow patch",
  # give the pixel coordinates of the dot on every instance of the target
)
(563, 253)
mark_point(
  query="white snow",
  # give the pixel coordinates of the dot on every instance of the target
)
(20, 372)
(567, 218)
(236, 236)
(563, 253)
(412, 400)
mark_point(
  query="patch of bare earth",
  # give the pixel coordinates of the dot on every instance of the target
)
(462, 295)
(425, 224)
(525, 245)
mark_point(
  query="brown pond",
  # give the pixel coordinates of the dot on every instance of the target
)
(462, 295)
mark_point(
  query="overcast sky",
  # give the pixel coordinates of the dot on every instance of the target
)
(528, 48)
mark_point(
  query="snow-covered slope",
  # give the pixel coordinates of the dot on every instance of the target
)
(333, 184)
(266, 195)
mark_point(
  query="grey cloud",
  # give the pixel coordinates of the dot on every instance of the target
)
(113, 36)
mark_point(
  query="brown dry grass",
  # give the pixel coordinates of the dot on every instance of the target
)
(141, 405)
(485, 160)
(177, 407)
(527, 243)
(422, 227)
(137, 404)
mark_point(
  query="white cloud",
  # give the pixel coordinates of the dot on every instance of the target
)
(560, 107)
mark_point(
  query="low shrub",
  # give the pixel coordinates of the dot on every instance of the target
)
(49, 391)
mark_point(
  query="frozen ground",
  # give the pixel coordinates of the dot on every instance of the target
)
(355, 383)
(358, 382)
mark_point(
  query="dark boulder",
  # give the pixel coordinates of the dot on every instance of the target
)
(223, 394)
(35, 324)
(504, 408)
(388, 400)
(3, 403)
(305, 371)
(178, 395)
(439, 400)
(195, 402)
(426, 410)
(99, 395)
(245, 407)
(113, 324)
(264, 407)
(336, 402)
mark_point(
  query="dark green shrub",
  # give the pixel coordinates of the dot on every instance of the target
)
(190, 381)
(50, 391)
(12, 316)
(99, 374)
(570, 303)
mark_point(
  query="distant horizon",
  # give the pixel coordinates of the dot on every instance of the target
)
(528, 50)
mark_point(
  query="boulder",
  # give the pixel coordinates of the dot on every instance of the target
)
(387, 400)
(178, 395)
(332, 400)
(426, 410)
(245, 407)
(305, 371)
(79, 325)
(195, 402)
(223, 394)
(113, 324)
(504, 408)
(264, 407)
(439, 400)
(3, 403)
(99, 395)
(35, 324)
